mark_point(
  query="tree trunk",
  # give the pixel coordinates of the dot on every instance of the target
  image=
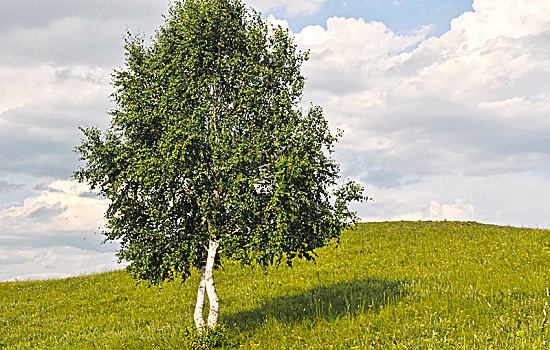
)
(210, 288)
(199, 320)
(207, 283)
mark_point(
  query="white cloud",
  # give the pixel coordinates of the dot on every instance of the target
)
(64, 206)
(55, 66)
(503, 19)
(53, 86)
(473, 101)
(275, 22)
(41, 112)
(55, 234)
(292, 8)
(458, 211)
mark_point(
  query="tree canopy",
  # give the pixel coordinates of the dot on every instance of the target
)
(208, 142)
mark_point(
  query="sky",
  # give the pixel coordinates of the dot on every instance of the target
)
(444, 105)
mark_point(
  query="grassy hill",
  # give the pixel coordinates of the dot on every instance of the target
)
(402, 285)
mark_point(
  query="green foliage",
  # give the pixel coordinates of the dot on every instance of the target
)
(208, 142)
(402, 285)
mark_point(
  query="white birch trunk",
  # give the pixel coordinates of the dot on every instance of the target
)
(199, 320)
(210, 288)
(207, 283)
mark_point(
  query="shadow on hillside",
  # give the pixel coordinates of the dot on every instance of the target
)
(324, 302)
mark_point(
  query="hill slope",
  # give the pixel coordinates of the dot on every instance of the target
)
(439, 285)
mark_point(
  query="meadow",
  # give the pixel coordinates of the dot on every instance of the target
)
(394, 285)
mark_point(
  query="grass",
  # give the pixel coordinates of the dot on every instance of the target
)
(400, 285)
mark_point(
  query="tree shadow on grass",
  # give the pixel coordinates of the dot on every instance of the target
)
(326, 302)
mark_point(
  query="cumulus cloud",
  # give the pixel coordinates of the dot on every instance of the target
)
(55, 234)
(58, 209)
(347, 52)
(457, 211)
(473, 101)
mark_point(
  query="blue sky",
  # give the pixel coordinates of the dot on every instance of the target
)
(400, 16)
(440, 121)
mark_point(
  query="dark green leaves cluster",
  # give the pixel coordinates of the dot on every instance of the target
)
(207, 142)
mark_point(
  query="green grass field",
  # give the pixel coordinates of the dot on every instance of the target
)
(398, 285)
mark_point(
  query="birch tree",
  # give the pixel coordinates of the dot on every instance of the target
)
(208, 156)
